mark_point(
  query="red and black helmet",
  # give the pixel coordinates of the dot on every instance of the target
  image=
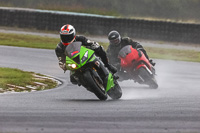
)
(67, 34)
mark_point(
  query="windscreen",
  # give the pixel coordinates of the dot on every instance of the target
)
(72, 49)
(125, 51)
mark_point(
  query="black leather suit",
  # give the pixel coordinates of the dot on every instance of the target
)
(113, 50)
(99, 51)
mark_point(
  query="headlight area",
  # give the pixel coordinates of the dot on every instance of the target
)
(72, 65)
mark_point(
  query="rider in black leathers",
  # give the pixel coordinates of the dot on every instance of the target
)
(68, 35)
(116, 44)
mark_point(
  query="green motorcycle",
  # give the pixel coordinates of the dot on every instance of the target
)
(89, 71)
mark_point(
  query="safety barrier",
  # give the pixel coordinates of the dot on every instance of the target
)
(100, 25)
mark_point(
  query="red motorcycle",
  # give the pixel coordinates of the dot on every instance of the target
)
(137, 67)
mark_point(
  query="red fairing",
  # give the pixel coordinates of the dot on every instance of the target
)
(132, 58)
(137, 67)
(128, 60)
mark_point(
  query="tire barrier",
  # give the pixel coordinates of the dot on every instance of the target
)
(100, 25)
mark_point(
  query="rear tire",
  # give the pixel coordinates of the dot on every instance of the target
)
(95, 86)
(148, 78)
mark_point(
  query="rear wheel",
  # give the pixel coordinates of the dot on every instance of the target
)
(95, 85)
(147, 78)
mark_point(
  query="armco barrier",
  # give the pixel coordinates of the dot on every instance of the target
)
(100, 25)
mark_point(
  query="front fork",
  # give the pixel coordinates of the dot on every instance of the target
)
(139, 79)
(107, 77)
(101, 73)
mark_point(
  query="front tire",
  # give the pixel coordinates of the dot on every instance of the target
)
(115, 92)
(95, 85)
(147, 78)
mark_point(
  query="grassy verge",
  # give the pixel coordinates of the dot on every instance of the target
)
(28, 41)
(173, 54)
(17, 80)
(50, 43)
(170, 54)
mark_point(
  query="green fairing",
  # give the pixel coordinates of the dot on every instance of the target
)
(81, 54)
(110, 82)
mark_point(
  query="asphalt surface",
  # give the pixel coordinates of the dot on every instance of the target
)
(172, 108)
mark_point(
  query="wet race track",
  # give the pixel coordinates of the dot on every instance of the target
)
(174, 107)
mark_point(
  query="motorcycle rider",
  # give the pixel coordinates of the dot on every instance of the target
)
(116, 44)
(67, 36)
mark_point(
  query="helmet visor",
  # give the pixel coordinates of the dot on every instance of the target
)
(67, 38)
(115, 41)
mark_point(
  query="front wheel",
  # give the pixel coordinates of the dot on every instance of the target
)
(147, 78)
(115, 92)
(95, 85)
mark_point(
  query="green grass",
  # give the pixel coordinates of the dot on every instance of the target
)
(28, 41)
(14, 76)
(173, 54)
(170, 54)
(50, 43)
(21, 78)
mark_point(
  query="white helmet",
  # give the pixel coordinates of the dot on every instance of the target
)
(67, 34)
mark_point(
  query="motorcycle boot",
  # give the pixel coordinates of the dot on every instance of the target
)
(152, 63)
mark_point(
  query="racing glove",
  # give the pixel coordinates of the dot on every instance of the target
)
(62, 65)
